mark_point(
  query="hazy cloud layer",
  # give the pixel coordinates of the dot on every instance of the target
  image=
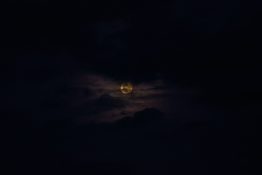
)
(98, 98)
(105, 102)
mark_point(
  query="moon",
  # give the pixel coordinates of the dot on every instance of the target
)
(126, 88)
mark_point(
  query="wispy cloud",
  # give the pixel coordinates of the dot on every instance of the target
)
(105, 102)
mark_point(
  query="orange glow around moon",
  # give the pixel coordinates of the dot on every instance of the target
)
(126, 88)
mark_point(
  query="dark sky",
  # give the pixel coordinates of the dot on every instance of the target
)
(196, 75)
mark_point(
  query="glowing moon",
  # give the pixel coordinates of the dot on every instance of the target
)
(126, 88)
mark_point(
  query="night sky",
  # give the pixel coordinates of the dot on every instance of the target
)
(194, 66)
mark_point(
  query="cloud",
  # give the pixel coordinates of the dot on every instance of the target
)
(105, 102)
(142, 118)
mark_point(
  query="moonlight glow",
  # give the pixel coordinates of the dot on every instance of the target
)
(126, 88)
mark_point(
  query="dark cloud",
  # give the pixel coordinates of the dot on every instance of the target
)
(108, 102)
(142, 118)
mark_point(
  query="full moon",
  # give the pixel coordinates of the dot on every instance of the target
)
(126, 88)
